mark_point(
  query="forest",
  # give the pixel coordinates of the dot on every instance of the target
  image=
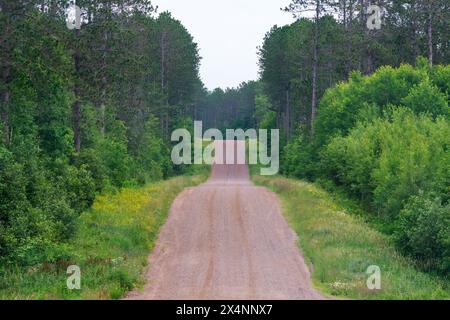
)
(362, 113)
(83, 111)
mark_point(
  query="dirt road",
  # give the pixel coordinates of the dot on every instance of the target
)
(227, 239)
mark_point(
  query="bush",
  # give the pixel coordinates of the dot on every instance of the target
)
(152, 156)
(364, 100)
(35, 216)
(418, 89)
(412, 159)
(108, 162)
(297, 159)
(389, 160)
(423, 232)
(78, 184)
(350, 161)
(339, 108)
(426, 98)
(385, 139)
(13, 202)
(440, 76)
(91, 160)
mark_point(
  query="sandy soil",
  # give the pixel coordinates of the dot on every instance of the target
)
(227, 239)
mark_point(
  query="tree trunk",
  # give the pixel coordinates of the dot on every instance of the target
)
(415, 45)
(163, 82)
(161, 123)
(430, 32)
(369, 60)
(350, 15)
(367, 52)
(5, 94)
(362, 26)
(414, 29)
(4, 106)
(315, 67)
(76, 109)
(104, 85)
(344, 11)
(53, 9)
(166, 129)
(287, 117)
(350, 63)
(278, 119)
(362, 12)
(163, 60)
(76, 114)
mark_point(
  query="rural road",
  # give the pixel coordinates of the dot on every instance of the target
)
(226, 240)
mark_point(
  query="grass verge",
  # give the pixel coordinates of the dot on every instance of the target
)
(111, 247)
(340, 247)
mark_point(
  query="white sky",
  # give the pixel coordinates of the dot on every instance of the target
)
(228, 33)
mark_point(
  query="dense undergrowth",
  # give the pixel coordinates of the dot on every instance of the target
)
(111, 245)
(83, 112)
(384, 140)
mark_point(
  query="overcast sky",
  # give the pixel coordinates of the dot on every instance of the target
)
(228, 33)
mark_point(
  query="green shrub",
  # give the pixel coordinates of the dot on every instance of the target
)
(13, 202)
(384, 139)
(77, 183)
(152, 156)
(92, 161)
(412, 159)
(419, 89)
(362, 100)
(425, 97)
(339, 108)
(350, 161)
(297, 159)
(423, 232)
(35, 216)
(440, 76)
(389, 160)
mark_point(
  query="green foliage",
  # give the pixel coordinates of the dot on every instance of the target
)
(423, 232)
(427, 98)
(230, 108)
(152, 162)
(118, 85)
(111, 246)
(340, 246)
(35, 215)
(297, 158)
(77, 182)
(384, 140)
(340, 108)
(364, 99)
(440, 76)
(413, 157)
(264, 115)
(389, 160)
(286, 72)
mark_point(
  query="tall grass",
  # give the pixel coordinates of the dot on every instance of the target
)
(340, 247)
